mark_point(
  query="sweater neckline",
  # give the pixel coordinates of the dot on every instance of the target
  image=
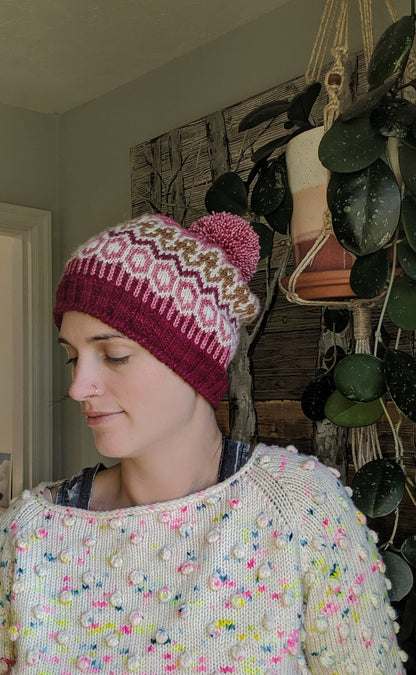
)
(189, 500)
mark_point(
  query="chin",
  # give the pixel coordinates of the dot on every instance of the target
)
(110, 450)
(116, 452)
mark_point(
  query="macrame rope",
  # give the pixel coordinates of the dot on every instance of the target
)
(334, 84)
(365, 445)
(392, 11)
(320, 46)
(366, 17)
(362, 328)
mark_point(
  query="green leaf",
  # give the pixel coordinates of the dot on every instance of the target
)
(407, 259)
(365, 208)
(269, 190)
(409, 219)
(369, 274)
(227, 193)
(350, 146)
(408, 549)
(336, 320)
(366, 103)
(394, 118)
(400, 575)
(345, 413)
(266, 150)
(303, 103)
(391, 52)
(400, 374)
(407, 163)
(263, 113)
(280, 218)
(315, 396)
(378, 487)
(401, 305)
(360, 377)
(408, 619)
(253, 173)
(265, 238)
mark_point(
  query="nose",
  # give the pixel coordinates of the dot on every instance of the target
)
(83, 384)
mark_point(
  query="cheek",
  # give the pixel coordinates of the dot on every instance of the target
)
(157, 388)
(171, 392)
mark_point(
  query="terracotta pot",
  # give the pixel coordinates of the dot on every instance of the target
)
(323, 285)
(308, 182)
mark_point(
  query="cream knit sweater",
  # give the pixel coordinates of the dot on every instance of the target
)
(271, 572)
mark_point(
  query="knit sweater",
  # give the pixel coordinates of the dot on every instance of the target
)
(271, 572)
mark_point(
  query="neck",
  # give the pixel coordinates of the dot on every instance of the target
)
(177, 467)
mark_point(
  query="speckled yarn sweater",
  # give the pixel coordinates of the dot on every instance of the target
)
(271, 572)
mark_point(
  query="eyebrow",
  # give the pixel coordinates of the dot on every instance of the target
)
(96, 338)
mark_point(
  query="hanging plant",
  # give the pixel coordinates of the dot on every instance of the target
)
(370, 152)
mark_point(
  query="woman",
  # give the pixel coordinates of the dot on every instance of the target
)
(193, 552)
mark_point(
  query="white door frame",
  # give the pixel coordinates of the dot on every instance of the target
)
(33, 227)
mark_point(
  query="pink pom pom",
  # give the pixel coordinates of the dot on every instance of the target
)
(234, 236)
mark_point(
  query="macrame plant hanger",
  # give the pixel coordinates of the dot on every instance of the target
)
(364, 440)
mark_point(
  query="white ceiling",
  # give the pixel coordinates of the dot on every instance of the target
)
(58, 54)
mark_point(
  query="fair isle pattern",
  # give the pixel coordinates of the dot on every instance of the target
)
(170, 263)
(163, 287)
(272, 572)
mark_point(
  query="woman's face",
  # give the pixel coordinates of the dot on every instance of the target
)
(132, 401)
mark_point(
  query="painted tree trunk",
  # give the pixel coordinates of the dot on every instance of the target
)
(242, 411)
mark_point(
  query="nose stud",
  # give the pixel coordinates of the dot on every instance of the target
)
(95, 390)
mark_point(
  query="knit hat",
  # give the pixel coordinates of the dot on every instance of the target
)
(180, 293)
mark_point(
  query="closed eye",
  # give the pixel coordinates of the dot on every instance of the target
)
(71, 361)
(117, 361)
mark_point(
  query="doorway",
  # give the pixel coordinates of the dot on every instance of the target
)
(25, 310)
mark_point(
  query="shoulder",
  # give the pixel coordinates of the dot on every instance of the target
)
(20, 515)
(301, 478)
(288, 463)
(315, 502)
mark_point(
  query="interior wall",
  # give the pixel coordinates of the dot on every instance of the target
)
(29, 177)
(11, 348)
(6, 342)
(28, 158)
(29, 162)
(94, 139)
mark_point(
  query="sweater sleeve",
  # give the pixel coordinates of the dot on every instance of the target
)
(349, 623)
(6, 574)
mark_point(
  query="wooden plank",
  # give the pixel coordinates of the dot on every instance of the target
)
(217, 144)
(280, 423)
(175, 188)
(283, 365)
(156, 175)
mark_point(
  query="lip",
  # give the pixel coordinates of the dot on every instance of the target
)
(96, 417)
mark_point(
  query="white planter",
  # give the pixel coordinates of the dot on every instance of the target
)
(308, 181)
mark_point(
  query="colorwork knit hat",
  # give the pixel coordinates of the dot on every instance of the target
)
(182, 294)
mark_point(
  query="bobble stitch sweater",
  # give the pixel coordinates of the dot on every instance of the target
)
(272, 572)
